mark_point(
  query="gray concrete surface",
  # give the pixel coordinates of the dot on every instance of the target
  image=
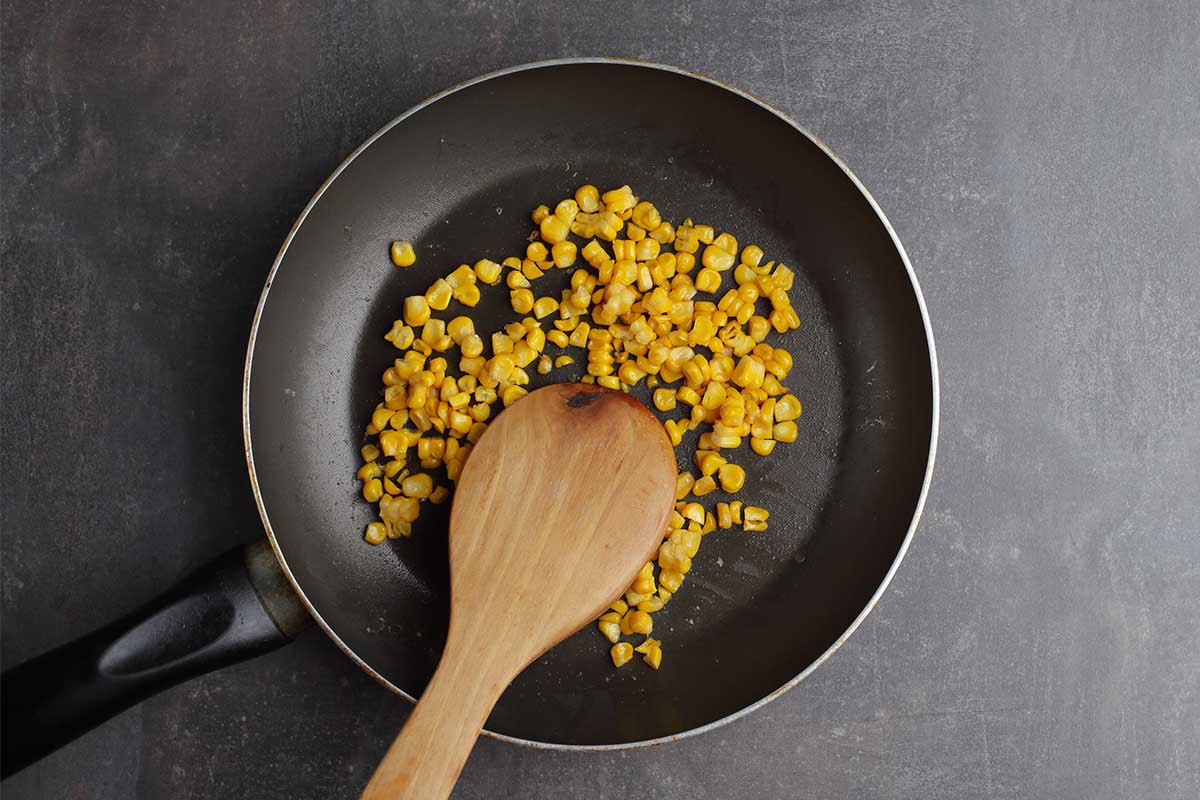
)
(1040, 161)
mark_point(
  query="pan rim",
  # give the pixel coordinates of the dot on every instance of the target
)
(935, 406)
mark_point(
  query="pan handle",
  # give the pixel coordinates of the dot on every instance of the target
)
(239, 606)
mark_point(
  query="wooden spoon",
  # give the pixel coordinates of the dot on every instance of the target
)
(565, 498)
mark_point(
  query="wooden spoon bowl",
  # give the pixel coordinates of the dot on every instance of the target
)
(565, 498)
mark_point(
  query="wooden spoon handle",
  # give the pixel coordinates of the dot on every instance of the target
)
(425, 760)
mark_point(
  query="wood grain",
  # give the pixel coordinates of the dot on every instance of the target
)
(564, 499)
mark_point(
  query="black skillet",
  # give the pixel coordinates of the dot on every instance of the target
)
(458, 175)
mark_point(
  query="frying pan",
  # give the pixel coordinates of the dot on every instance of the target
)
(458, 175)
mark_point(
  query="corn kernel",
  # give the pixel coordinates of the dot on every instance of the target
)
(733, 478)
(522, 300)
(704, 486)
(438, 295)
(564, 254)
(754, 518)
(376, 532)
(762, 447)
(683, 484)
(610, 625)
(402, 254)
(621, 653)
(588, 198)
(372, 490)
(416, 310)
(640, 622)
(554, 229)
(784, 431)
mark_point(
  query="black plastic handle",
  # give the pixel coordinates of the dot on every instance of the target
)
(239, 606)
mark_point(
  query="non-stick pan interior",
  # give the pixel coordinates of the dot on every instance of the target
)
(458, 177)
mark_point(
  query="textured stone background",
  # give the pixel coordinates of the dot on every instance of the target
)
(1042, 167)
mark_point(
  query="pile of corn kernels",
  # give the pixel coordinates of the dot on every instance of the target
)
(648, 322)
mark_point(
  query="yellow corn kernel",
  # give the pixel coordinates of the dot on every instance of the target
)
(539, 214)
(708, 280)
(554, 229)
(675, 431)
(610, 625)
(788, 408)
(653, 657)
(522, 300)
(693, 512)
(544, 307)
(704, 486)
(752, 255)
(531, 269)
(417, 486)
(646, 216)
(619, 199)
(763, 447)
(564, 254)
(688, 395)
(400, 335)
(749, 372)
(587, 197)
(640, 622)
(516, 280)
(704, 234)
(630, 374)
(403, 254)
(438, 295)
(754, 518)
(724, 517)
(390, 486)
(368, 471)
(664, 233)
(671, 558)
(727, 243)
(651, 605)
(708, 461)
(683, 263)
(369, 452)
(784, 431)
(733, 478)
(557, 337)
(670, 580)
(468, 295)
(512, 394)
(717, 258)
(376, 532)
(646, 250)
(372, 490)
(644, 582)
(544, 365)
(536, 251)
(683, 484)
(439, 495)
(621, 653)
(471, 347)
(459, 328)
(393, 443)
(566, 210)
(416, 310)
(488, 271)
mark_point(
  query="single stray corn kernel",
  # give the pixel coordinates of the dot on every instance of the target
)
(403, 254)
